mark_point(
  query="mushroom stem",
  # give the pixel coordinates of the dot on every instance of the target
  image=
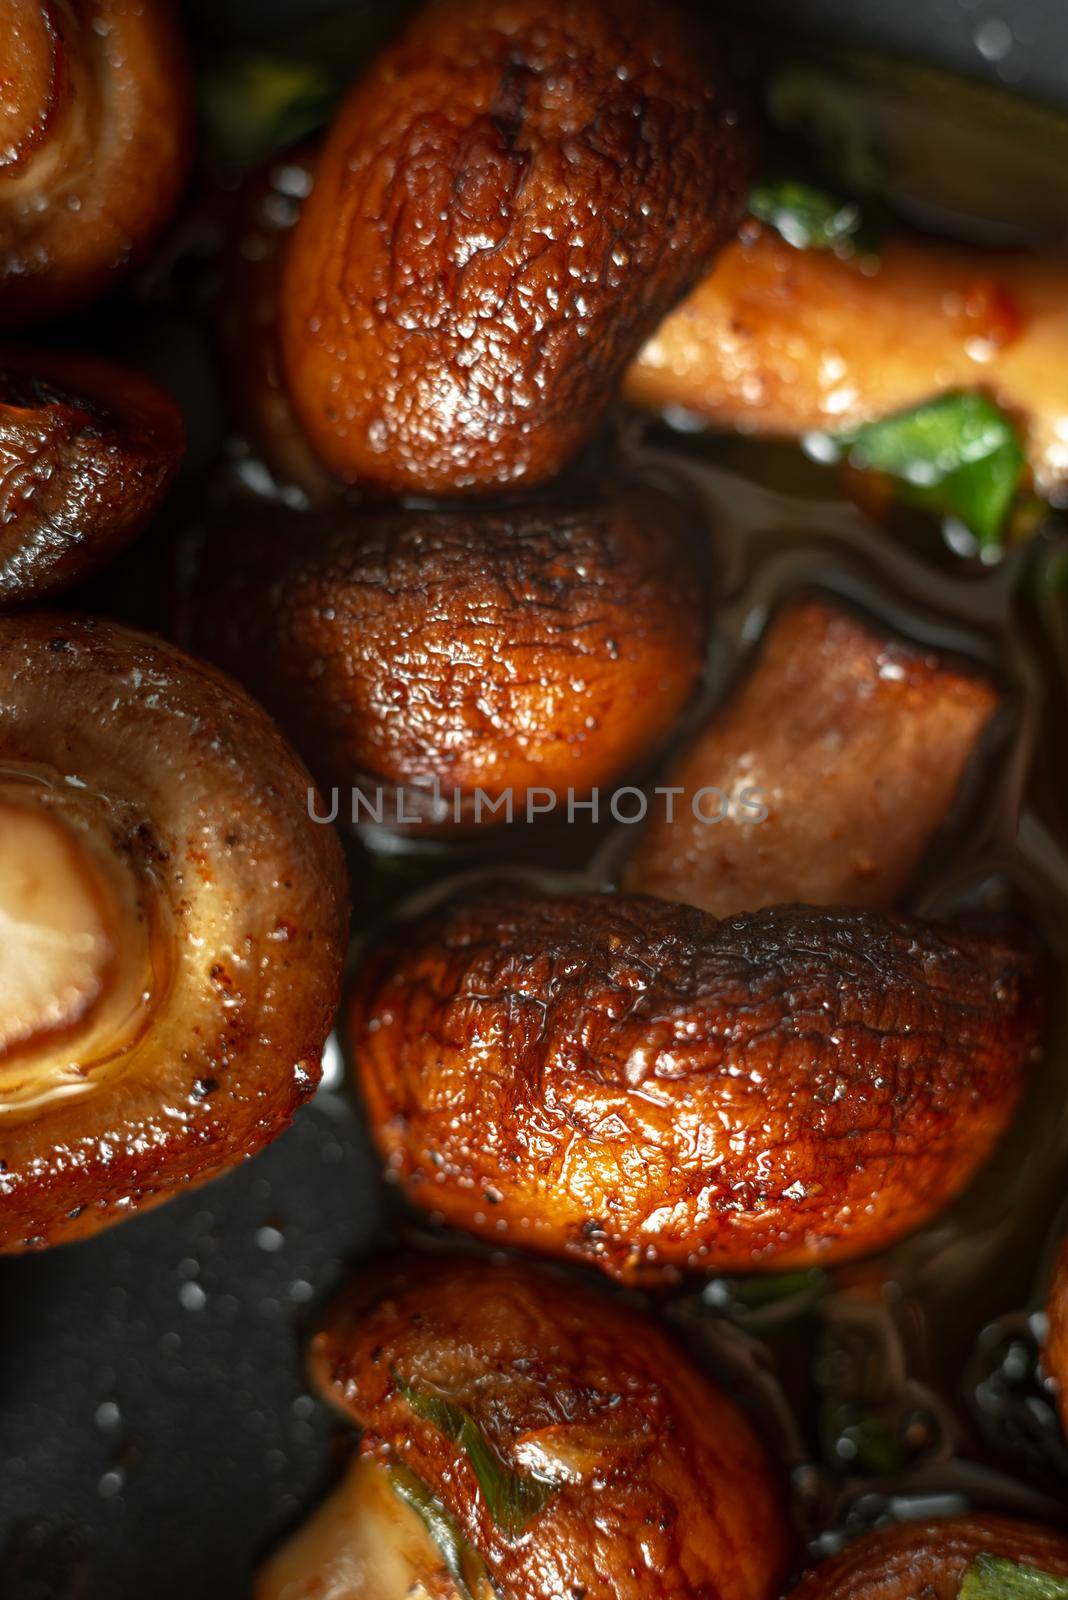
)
(56, 929)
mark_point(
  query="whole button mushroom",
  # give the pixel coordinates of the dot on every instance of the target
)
(95, 138)
(633, 1084)
(505, 207)
(88, 451)
(503, 655)
(172, 927)
(554, 1442)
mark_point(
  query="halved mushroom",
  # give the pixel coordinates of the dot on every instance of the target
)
(504, 209)
(554, 1442)
(788, 342)
(88, 451)
(962, 1558)
(172, 927)
(549, 646)
(95, 135)
(855, 742)
(636, 1085)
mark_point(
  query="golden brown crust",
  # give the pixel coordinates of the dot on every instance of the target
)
(856, 741)
(633, 1084)
(659, 1485)
(929, 1559)
(505, 207)
(1055, 1356)
(88, 450)
(202, 798)
(783, 341)
(548, 646)
(99, 102)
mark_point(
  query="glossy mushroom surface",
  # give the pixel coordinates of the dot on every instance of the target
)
(573, 1445)
(172, 927)
(856, 742)
(788, 342)
(636, 1085)
(504, 209)
(95, 137)
(930, 1559)
(88, 451)
(547, 646)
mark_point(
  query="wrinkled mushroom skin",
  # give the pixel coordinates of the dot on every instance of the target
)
(787, 342)
(170, 961)
(504, 209)
(929, 1559)
(857, 742)
(88, 451)
(636, 1085)
(1055, 1357)
(95, 132)
(658, 1484)
(363, 1543)
(544, 645)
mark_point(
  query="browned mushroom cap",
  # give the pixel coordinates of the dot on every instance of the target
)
(850, 744)
(1055, 1357)
(787, 342)
(172, 927)
(505, 207)
(88, 450)
(574, 1447)
(932, 1558)
(636, 1085)
(95, 131)
(540, 647)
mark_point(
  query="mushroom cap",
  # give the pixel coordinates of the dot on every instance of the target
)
(231, 900)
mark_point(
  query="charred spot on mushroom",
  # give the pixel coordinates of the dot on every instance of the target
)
(775, 1090)
(95, 136)
(124, 765)
(88, 450)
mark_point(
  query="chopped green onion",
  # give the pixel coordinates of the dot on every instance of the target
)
(254, 105)
(994, 1578)
(513, 1498)
(462, 1562)
(959, 456)
(808, 218)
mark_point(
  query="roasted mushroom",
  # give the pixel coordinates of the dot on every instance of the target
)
(172, 927)
(634, 1084)
(962, 1558)
(491, 653)
(504, 209)
(88, 450)
(854, 742)
(789, 342)
(1055, 1356)
(95, 133)
(555, 1443)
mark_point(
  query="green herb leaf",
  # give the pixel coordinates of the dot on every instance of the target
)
(959, 456)
(254, 105)
(464, 1564)
(513, 1498)
(994, 1578)
(808, 218)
